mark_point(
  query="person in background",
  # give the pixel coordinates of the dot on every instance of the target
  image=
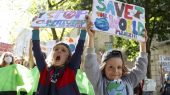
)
(165, 90)
(7, 58)
(138, 90)
(19, 60)
(13, 76)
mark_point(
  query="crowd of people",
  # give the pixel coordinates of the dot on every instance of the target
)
(60, 73)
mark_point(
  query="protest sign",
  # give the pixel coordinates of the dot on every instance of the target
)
(61, 19)
(122, 19)
(165, 62)
(22, 42)
(149, 85)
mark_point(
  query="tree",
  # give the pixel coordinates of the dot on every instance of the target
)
(157, 24)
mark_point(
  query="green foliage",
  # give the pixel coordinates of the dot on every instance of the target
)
(70, 5)
(130, 46)
(157, 24)
(33, 8)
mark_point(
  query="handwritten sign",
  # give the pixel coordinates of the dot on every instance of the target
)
(121, 19)
(22, 42)
(149, 85)
(165, 62)
(61, 19)
(163, 58)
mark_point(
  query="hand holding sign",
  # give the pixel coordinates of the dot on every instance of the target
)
(122, 19)
(89, 27)
(61, 19)
(35, 28)
(90, 31)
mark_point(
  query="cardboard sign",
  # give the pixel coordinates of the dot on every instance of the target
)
(165, 62)
(121, 19)
(163, 58)
(61, 19)
(22, 42)
(149, 85)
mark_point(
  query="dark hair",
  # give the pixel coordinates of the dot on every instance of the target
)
(64, 44)
(112, 54)
(3, 56)
(49, 58)
(44, 55)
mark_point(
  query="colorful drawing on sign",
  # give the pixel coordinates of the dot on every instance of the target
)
(102, 24)
(61, 19)
(119, 18)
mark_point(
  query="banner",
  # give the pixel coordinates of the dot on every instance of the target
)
(122, 19)
(165, 62)
(22, 42)
(4, 47)
(163, 58)
(15, 78)
(83, 83)
(61, 19)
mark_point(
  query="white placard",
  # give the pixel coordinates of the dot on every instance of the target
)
(122, 19)
(149, 85)
(61, 19)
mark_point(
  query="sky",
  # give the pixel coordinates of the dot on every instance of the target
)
(4, 23)
(10, 13)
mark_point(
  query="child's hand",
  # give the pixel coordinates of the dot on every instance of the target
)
(91, 32)
(35, 28)
(143, 44)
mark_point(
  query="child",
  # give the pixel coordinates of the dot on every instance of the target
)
(112, 77)
(59, 78)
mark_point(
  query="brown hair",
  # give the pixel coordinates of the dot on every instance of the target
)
(2, 63)
(112, 54)
(49, 58)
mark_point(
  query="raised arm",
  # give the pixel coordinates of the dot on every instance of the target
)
(91, 64)
(40, 61)
(76, 57)
(139, 71)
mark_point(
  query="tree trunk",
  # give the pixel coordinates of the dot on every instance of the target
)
(62, 34)
(55, 37)
(147, 10)
(149, 65)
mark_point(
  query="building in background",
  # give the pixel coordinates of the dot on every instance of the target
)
(159, 47)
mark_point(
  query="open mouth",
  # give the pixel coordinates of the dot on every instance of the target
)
(58, 58)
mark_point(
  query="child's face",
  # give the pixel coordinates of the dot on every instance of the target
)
(113, 69)
(60, 55)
